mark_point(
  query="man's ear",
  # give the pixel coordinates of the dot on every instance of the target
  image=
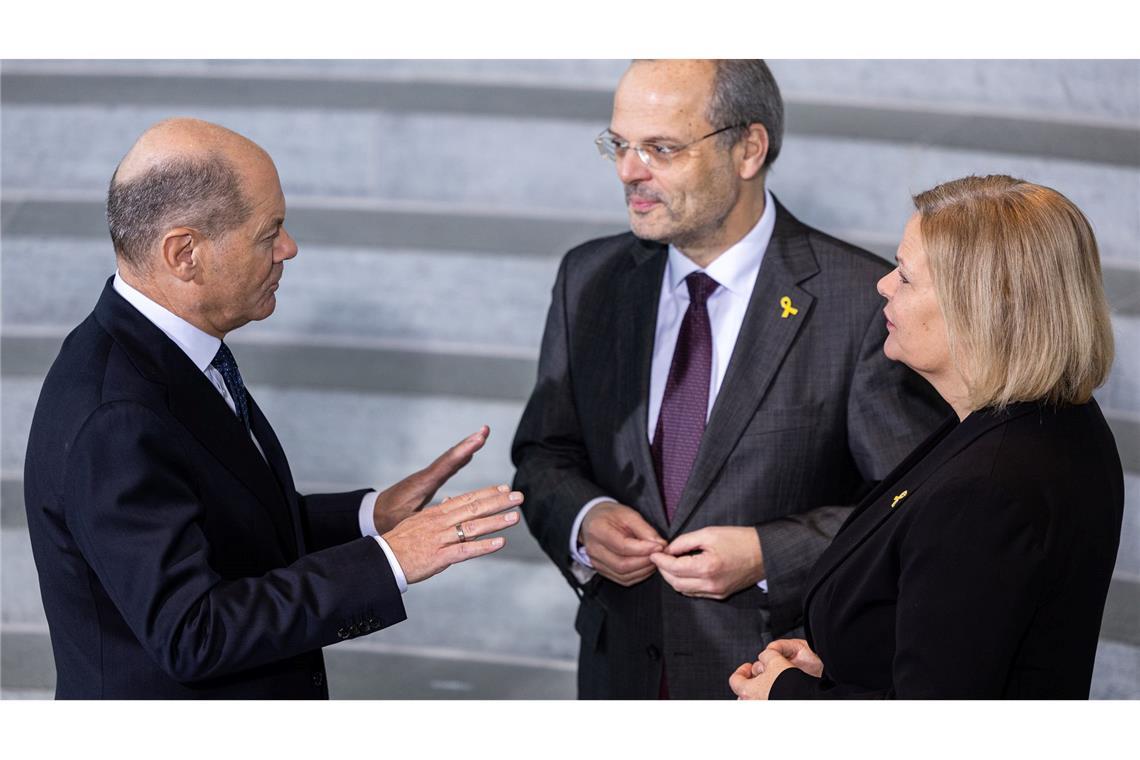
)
(755, 144)
(179, 252)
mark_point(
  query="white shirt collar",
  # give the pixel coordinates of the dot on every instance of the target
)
(736, 268)
(200, 346)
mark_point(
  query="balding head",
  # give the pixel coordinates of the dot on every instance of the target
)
(179, 173)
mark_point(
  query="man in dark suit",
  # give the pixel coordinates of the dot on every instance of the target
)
(712, 394)
(175, 557)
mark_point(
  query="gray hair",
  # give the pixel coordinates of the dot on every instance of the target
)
(745, 92)
(200, 192)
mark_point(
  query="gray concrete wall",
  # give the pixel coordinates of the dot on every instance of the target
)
(432, 200)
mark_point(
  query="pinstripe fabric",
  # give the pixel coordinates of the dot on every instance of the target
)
(809, 416)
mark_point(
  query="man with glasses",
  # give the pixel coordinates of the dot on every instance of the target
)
(712, 393)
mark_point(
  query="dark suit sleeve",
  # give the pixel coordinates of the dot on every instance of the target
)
(330, 519)
(548, 450)
(971, 573)
(131, 506)
(890, 411)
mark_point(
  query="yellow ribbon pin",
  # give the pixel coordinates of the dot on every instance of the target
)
(786, 303)
(899, 498)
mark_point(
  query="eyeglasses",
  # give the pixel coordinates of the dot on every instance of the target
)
(654, 155)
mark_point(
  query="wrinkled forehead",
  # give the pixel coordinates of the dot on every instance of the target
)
(663, 99)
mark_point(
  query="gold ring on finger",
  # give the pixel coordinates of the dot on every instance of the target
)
(459, 532)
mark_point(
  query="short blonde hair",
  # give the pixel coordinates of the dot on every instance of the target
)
(1017, 273)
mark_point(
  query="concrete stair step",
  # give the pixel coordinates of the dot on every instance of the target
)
(496, 303)
(592, 73)
(339, 437)
(352, 436)
(425, 157)
(843, 184)
(28, 672)
(994, 105)
(492, 607)
(354, 672)
(1097, 89)
(520, 545)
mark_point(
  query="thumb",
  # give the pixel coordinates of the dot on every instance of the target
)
(784, 647)
(639, 528)
(451, 461)
(687, 542)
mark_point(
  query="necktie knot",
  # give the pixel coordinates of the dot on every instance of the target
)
(701, 286)
(225, 363)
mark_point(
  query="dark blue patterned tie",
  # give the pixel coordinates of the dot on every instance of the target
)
(224, 362)
(685, 404)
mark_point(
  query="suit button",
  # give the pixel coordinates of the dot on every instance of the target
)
(318, 678)
(342, 633)
(354, 629)
(653, 652)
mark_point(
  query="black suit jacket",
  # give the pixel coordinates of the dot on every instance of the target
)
(809, 416)
(987, 579)
(173, 560)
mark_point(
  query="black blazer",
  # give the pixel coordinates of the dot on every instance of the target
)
(795, 438)
(978, 569)
(173, 560)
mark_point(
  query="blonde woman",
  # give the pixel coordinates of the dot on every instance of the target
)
(980, 566)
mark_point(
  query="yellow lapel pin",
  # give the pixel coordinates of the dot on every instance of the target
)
(897, 499)
(786, 305)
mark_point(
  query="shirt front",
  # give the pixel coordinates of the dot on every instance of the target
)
(735, 271)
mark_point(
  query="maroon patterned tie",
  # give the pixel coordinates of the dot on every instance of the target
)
(684, 408)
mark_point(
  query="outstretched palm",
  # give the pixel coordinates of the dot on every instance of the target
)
(411, 494)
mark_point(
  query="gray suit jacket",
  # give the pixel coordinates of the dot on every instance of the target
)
(809, 417)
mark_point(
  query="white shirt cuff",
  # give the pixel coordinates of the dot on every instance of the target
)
(397, 571)
(364, 516)
(577, 553)
(580, 564)
(368, 528)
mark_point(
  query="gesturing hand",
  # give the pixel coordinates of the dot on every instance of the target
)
(619, 541)
(713, 563)
(396, 502)
(430, 541)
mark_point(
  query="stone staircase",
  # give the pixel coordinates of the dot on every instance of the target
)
(432, 201)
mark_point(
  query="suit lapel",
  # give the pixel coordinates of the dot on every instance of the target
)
(764, 340)
(898, 490)
(275, 454)
(195, 403)
(640, 290)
